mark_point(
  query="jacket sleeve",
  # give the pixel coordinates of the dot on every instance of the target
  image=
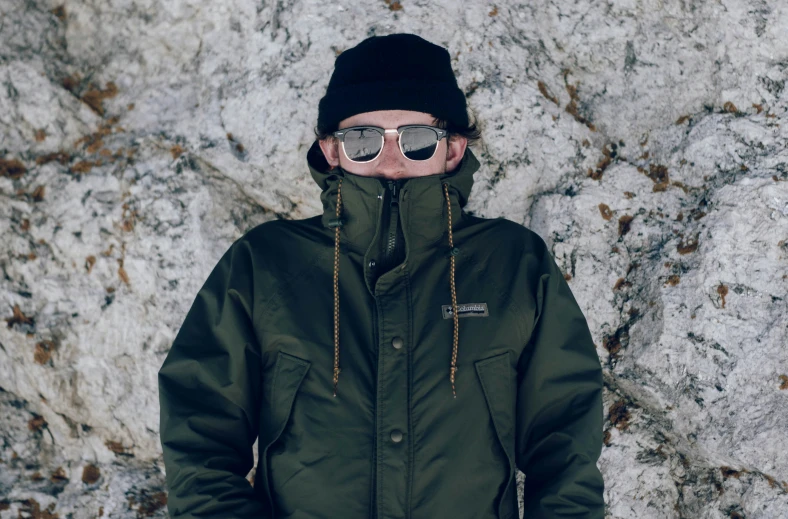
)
(559, 406)
(209, 395)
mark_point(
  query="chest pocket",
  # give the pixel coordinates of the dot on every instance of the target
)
(498, 378)
(288, 374)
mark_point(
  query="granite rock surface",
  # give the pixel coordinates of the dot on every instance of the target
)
(644, 141)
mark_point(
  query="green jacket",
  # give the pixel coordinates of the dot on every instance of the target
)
(461, 353)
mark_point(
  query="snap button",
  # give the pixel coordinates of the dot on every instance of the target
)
(371, 263)
(397, 343)
(396, 436)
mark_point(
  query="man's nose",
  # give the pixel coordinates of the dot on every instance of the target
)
(391, 160)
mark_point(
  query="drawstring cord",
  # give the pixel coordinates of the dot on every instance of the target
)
(336, 223)
(454, 252)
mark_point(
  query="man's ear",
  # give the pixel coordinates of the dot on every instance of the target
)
(455, 150)
(330, 147)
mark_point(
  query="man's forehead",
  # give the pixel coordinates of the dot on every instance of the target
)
(387, 118)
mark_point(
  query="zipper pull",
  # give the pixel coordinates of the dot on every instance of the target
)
(394, 192)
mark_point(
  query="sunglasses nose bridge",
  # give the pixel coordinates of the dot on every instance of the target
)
(394, 137)
(391, 147)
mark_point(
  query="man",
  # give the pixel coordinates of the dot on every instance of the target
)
(459, 356)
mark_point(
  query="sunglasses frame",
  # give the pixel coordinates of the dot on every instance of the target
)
(340, 134)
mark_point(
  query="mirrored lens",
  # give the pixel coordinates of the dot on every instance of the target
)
(363, 144)
(419, 143)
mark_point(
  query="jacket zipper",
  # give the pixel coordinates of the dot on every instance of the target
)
(388, 256)
(393, 220)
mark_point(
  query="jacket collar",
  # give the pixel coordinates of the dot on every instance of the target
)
(423, 210)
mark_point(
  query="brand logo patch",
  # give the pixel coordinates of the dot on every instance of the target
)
(466, 310)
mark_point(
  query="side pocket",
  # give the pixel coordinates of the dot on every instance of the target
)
(289, 372)
(498, 381)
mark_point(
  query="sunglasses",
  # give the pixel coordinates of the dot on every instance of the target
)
(417, 142)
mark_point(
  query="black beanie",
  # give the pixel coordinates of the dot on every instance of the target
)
(394, 72)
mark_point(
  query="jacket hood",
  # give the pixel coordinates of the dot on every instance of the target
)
(423, 206)
(431, 209)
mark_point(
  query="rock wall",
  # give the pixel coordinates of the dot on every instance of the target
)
(643, 140)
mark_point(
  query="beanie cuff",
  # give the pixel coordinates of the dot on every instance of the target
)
(441, 99)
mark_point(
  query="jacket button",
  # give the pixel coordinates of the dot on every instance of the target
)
(397, 343)
(371, 263)
(396, 436)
